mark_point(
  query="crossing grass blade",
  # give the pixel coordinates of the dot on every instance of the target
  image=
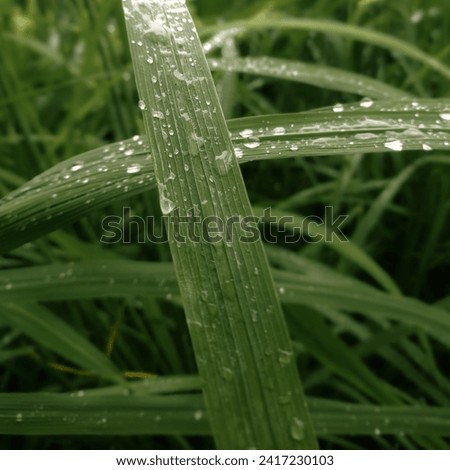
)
(236, 324)
(75, 187)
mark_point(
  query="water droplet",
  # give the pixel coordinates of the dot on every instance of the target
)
(293, 147)
(445, 116)
(166, 204)
(366, 103)
(142, 105)
(227, 374)
(19, 417)
(150, 60)
(8, 286)
(284, 357)
(128, 152)
(395, 145)
(377, 432)
(135, 168)
(246, 133)
(198, 415)
(279, 130)
(297, 429)
(179, 75)
(282, 290)
(238, 152)
(76, 167)
(253, 143)
(338, 108)
(158, 114)
(223, 161)
(426, 147)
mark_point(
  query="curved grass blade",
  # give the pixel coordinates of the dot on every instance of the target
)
(349, 251)
(73, 188)
(356, 33)
(132, 278)
(51, 332)
(372, 216)
(233, 312)
(317, 75)
(365, 127)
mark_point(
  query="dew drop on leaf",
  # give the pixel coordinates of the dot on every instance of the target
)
(395, 145)
(135, 168)
(246, 133)
(158, 114)
(238, 152)
(297, 429)
(366, 103)
(279, 130)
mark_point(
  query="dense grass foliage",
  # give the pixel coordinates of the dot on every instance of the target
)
(325, 108)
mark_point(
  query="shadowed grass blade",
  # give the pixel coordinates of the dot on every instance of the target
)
(53, 333)
(131, 278)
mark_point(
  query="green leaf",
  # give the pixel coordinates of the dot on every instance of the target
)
(123, 278)
(73, 188)
(395, 45)
(233, 312)
(128, 412)
(311, 74)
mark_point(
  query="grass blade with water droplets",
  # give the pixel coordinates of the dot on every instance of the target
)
(357, 33)
(311, 74)
(73, 188)
(235, 320)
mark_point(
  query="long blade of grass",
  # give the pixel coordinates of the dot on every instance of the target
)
(356, 33)
(48, 330)
(81, 413)
(237, 351)
(125, 278)
(75, 187)
(318, 75)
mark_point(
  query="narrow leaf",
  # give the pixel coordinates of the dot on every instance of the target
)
(235, 319)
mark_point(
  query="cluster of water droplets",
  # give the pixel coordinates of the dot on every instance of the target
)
(91, 179)
(403, 125)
